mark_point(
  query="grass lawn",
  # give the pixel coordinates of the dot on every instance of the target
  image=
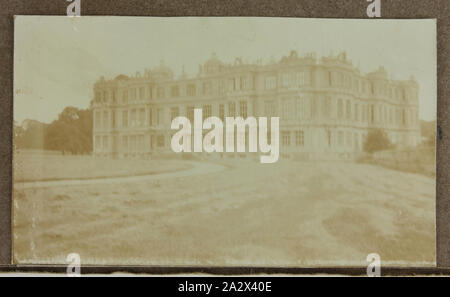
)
(282, 214)
(41, 167)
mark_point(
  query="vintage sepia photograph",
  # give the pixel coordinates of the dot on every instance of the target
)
(224, 141)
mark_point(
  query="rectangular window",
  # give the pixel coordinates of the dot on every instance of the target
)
(141, 93)
(98, 97)
(174, 113)
(141, 143)
(190, 113)
(150, 117)
(231, 109)
(142, 117)
(301, 79)
(222, 112)
(348, 110)
(243, 109)
(349, 138)
(329, 106)
(324, 107)
(133, 143)
(125, 96)
(285, 80)
(244, 83)
(160, 93)
(288, 109)
(133, 117)
(160, 141)
(222, 87)
(207, 111)
(159, 115)
(270, 108)
(207, 90)
(190, 90)
(299, 108)
(341, 138)
(364, 113)
(339, 78)
(313, 107)
(299, 138)
(125, 143)
(113, 119)
(174, 91)
(125, 118)
(133, 94)
(286, 138)
(271, 82)
(340, 109)
(105, 143)
(372, 113)
(232, 84)
(98, 143)
(152, 142)
(98, 120)
(105, 120)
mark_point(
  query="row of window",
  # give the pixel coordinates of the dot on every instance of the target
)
(243, 82)
(129, 143)
(247, 82)
(293, 108)
(342, 139)
(136, 117)
(326, 107)
(288, 80)
(131, 94)
(136, 143)
(299, 136)
(344, 80)
(141, 93)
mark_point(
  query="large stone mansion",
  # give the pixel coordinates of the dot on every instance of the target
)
(326, 107)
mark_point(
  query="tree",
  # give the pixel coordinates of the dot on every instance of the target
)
(30, 135)
(428, 132)
(376, 140)
(71, 132)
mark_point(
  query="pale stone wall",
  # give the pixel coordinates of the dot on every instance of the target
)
(324, 106)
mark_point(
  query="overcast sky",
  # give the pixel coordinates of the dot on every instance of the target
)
(58, 59)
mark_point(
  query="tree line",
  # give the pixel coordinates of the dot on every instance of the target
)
(70, 133)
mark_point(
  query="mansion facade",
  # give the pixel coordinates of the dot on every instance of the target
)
(326, 106)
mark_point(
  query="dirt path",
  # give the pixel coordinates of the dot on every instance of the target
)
(283, 214)
(197, 169)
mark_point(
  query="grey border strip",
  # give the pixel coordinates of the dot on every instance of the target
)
(6, 110)
(439, 9)
(229, 271)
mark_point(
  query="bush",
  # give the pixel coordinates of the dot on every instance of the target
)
(376, 140)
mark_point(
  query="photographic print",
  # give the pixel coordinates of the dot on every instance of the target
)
(224, 141)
